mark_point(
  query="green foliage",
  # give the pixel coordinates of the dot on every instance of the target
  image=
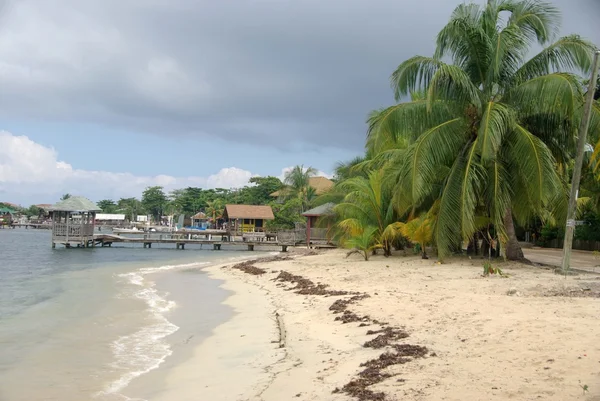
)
(363, 242)
(286, 214)
(297, 185)
(368, 203)
(131, 207)
(65, 197)
(488, 269)
(33, 211)
(107, 206)
(154, 201)
(482, 136)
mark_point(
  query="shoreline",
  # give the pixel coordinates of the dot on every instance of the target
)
(444, 332)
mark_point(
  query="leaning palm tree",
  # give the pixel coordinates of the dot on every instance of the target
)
(368, 203)
(488, 129)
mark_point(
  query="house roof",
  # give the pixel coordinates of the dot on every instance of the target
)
(44, 206)
(322, 210)
(75, 204)
(5, 210)
(248, 212)
(320, 184)
(199, 216)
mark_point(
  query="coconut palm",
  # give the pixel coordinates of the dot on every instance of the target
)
(368, 203)
(297, 182)
(486, 131)
(215, 209)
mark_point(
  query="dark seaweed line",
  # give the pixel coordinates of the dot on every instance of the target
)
(387, 336)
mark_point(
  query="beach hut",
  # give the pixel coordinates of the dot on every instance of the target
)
(73, 222)
(315, 233)
(247, 218)
(199, 220)
(6, 216)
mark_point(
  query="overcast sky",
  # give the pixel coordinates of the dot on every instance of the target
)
(102, 98)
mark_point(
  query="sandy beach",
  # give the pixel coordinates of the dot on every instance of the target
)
(436, 332)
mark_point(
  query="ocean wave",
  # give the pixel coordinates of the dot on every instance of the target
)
(144, 350)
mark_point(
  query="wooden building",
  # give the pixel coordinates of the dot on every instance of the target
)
(247, 218)
(73, 222)
(199, 220)
(317, 228)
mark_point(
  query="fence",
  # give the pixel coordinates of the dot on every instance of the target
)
(72, 231)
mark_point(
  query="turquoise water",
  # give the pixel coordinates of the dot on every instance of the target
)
(82, 324)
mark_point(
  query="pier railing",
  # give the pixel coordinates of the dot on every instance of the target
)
(72, 230)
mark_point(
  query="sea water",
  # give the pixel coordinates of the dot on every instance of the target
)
(85, 324)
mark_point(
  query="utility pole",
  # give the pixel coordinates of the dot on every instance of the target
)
(583, 130)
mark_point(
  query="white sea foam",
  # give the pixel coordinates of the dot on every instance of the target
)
(144, 350)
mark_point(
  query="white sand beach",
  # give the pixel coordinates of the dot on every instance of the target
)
(530, 336)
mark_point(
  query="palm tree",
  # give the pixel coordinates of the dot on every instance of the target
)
(363, 242)
(368, 203)
(487, 131)
(419, 231)
(215, 209)
(297, 182)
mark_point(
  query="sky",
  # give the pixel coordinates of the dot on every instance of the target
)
(104, 98)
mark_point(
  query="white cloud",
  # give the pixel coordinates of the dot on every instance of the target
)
(33, 173)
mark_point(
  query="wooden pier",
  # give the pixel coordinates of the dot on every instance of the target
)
(181, 241)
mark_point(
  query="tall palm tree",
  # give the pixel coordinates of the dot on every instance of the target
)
(297, 182)
(368, 203)
(486, 132)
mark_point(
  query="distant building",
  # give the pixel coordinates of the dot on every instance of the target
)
(247, 218)
(318, 224)
(110, 218)
(199, 220)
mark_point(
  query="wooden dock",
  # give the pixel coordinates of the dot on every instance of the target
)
(32, 225)
(181, 241)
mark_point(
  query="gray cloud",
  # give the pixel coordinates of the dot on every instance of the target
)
(305, 72)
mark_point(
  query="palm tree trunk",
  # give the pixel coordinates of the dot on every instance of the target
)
(513, 249)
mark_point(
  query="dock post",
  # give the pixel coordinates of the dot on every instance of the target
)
(284, 248)
(251, 247)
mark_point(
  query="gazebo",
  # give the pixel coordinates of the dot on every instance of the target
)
(73, 222)
(314, 234)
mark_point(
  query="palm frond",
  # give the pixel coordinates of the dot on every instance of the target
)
(570, 53)
(496, 121)
(413, 75)
(558, 93)
(456, 218)
(450, 82)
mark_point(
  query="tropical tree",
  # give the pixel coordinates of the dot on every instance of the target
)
(65, 197)
(485, 133)
(368, 203)
(215, 209)
(154, 201)
(297, 182)
(132, 207)
(107, 206)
